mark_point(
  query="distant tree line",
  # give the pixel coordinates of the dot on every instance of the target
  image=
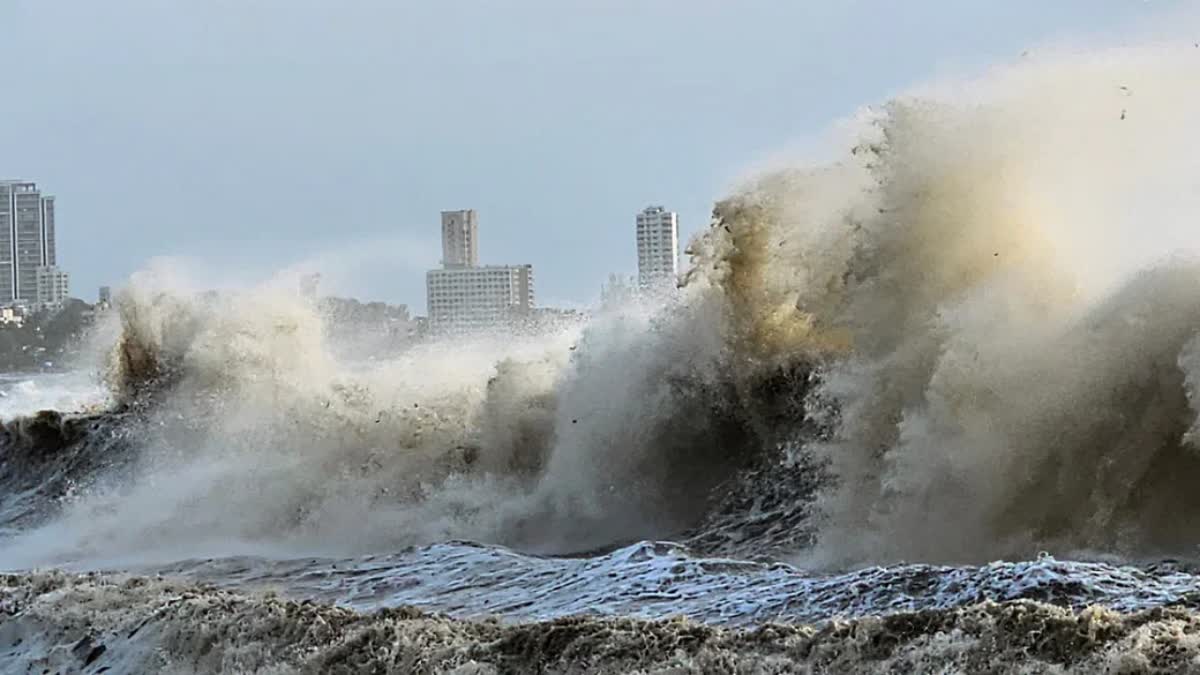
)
(366, 329)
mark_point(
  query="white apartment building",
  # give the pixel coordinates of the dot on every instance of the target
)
(464, 298)
(657, 247)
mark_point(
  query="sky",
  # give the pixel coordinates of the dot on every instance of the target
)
(245, 137)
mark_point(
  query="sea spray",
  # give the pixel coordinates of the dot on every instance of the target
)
(971, 337)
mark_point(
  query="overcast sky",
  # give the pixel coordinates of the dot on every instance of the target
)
(252, 135)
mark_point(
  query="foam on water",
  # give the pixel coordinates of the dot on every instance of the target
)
(68, 624)
(661, 579)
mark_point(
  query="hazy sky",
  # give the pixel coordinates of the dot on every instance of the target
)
(252, 135)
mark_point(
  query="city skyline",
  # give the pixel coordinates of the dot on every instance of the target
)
(254, 137)
(459, 234)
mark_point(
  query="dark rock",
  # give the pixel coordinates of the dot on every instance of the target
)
(88, 650)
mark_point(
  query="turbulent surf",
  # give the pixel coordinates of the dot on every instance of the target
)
(970, 337)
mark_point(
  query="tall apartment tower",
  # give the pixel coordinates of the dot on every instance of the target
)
(658, 247)
(460, 238)
(27, 241)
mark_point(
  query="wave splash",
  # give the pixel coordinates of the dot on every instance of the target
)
(1018, 293)
(973, 336)
(252, 437)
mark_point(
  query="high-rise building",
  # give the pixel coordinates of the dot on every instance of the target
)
(657, 247)
(27, 240)
(460, 238)
(464, 296)
(104, 297)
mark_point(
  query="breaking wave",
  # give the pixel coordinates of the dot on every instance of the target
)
(249, 436)
(1012, 300)
(972, 336)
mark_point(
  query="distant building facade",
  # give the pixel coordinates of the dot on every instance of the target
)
(460, 238)
(478, 297)
(657, 247)
(27, 240)
(12, 316)
(619, 290)
(310, 284)
(464, 296)
(53, 286)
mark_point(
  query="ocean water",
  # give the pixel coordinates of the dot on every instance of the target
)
(927, 408)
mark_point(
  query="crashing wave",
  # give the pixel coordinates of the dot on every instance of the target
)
(961, 341)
